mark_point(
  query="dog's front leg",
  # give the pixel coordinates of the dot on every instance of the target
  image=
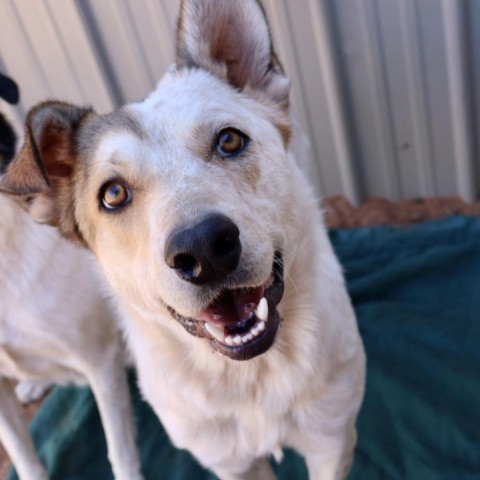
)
(109, 385)
(16, 438)
(260, 470)
(335, 460)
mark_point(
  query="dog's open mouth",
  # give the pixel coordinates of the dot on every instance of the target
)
(241, 323)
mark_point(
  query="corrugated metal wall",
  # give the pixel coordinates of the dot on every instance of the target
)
(387, 91)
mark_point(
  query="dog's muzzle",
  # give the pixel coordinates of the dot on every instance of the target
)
(240, 323)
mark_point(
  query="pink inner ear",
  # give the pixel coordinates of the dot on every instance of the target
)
(56, 152)
(229, 44)
(233, 33)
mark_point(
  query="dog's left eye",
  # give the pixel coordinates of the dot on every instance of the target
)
(230, 142)
(114, 195)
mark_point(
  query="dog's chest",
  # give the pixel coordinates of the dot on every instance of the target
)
(212, 413)
(214, 427)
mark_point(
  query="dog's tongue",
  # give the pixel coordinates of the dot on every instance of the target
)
(232, 307)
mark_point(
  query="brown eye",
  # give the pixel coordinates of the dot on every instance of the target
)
(230, 142)
(115, 195)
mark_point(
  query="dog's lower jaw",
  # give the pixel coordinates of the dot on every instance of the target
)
(256, 332)
(257, 345)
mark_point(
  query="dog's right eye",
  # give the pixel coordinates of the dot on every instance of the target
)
(230, 142)
(114, 195)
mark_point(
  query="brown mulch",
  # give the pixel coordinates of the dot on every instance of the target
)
(340, 213)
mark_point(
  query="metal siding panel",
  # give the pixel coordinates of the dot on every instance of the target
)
(387, 92)
(367, 96)
(473, 16)
(155, 32)
(397, 88)
(81, 56)
(454, 25)
(312, 44)
(303, 146)
(438, 102)
(327, 52)
(422, 164)
(18, 61)
(314, 96)
(18, 56)
(46, 44)
(120, 41)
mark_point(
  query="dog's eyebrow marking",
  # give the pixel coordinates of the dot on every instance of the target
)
(119, 120)
(125, 120)
(114, 160)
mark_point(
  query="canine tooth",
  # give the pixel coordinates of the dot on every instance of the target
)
(229, 340)
(237, 340)
(215, 332)
(261, 326)
(262, 309)
(249, 337)
(255, 331)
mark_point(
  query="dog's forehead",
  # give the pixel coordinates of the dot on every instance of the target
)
(187, 98)
(177, 122)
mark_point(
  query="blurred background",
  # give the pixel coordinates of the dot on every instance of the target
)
(386, 92)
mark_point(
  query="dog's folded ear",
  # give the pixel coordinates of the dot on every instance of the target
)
(40, 176)
(231, 39)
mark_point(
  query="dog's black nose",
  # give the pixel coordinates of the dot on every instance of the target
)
(208, 251)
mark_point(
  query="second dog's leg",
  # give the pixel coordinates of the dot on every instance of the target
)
(260, 470)
(16, 438)
(109, 385)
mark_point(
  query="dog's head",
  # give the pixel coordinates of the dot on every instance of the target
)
(184, 198)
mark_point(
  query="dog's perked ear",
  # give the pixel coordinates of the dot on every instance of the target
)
(231, 39)
(41, 175)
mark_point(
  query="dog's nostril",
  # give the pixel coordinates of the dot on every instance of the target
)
(224, 245)
(187, 264)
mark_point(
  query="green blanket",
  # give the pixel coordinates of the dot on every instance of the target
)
(416, 292)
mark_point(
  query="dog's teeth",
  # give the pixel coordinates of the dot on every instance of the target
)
(215, 332)
(246, 338)
(262, 310)
(261, 326)
(229, 341)
(237, 340)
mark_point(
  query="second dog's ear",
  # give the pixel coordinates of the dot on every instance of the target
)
(231, 39)
(41, 174)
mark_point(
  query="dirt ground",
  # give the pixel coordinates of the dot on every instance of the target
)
(339, 213)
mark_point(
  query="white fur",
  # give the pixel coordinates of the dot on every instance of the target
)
(306, 390)
(55, 327)
(303, 393)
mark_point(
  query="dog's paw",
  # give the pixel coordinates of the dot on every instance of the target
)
(31, 391)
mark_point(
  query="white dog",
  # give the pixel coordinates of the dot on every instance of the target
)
(233, 302)
(55, 327)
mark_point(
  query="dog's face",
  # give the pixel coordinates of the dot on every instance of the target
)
(183, 197)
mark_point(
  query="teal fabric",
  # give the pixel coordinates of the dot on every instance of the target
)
(416, 292)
